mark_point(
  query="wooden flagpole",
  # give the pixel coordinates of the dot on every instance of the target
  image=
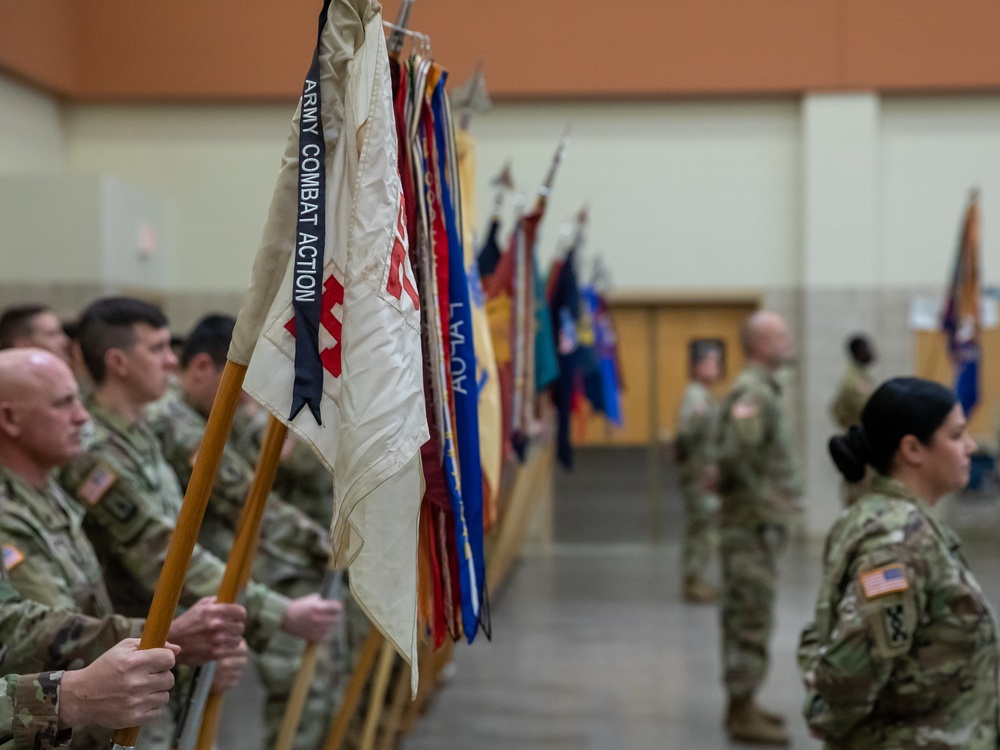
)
(352, 694)
(240, 562)
(307, 669)
(185, 536)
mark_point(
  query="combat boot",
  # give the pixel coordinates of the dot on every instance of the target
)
(746, 723)
(697, 591)
(769, 716)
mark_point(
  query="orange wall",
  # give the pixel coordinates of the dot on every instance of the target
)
(39, 42)
(259, 49)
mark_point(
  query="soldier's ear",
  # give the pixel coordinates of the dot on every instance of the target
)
(116, 362)
(911, 451)
(9, 423)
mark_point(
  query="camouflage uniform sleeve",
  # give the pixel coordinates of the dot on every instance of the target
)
(289, 539)
(30, 567)
(36, 637)
(29, 712)
(873, 624)
(785, 470)
(138, 539)
(695, 427)
(286, 534)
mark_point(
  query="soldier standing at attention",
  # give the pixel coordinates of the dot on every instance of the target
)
(852, 394)
(294, 549)
(903, 649)
(132, 496)
(697, 472)
(45, 553)
(759, 482)
(857, 383)
(33, 326)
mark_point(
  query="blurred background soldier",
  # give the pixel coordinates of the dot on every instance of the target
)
(697, 472)
(33, 325)
(853, 392)
(856, 385)
(759, 483)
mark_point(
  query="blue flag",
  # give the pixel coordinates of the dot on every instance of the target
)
(961, 312)
(468, 502)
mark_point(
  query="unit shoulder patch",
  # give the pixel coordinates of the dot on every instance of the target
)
(12, 557)
(887, 579)
(101, 479)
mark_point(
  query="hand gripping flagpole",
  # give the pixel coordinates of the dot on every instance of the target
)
(240, 562)
(185, 536)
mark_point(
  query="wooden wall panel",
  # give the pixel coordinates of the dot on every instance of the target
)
(932, 362)
(653, 349)
(676, 327)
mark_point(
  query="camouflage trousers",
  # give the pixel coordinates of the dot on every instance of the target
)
(277, 668)
(749, 575)
(701, 529)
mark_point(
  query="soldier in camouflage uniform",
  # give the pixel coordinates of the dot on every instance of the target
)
(123, 688)
(132, 496)
(45, 552)
(855, 388)
(903, 649)
(294, 549)
(697, 473)
(36, 710)
(759, 483)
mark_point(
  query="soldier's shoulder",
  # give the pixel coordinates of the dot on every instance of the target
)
(881, 521)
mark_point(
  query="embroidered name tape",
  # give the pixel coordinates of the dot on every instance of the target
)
(884, 580)
(12, 556)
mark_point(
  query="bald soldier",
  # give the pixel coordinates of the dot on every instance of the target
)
(759, 483)
(45, 553)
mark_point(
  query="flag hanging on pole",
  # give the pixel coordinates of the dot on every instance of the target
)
(372, 421)
(487, 383)
(962, 309)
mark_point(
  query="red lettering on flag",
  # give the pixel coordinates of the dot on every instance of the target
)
(399, 279)
(333, 294)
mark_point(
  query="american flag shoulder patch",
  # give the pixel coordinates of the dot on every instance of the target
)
(98, 482)
(12, 557)
(885, 580)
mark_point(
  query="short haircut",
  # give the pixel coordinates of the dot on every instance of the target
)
(701, 349)
(210, 335)
(17, 322)
(108, 324)
(860, 349)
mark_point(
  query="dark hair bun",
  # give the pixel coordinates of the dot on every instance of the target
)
(851, 453)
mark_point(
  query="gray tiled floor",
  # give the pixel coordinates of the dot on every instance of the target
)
(593, 649)
(592, 646)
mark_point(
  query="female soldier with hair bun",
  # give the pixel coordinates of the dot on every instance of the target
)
(903, 650)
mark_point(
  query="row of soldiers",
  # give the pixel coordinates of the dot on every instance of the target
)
(740, 480)
(90, 491)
